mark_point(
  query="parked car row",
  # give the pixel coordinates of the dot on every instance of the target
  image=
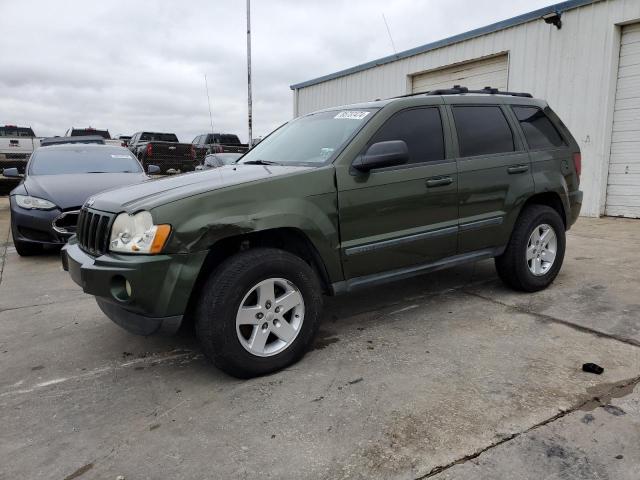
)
(57, 181)
(63, 172)
(157, 148)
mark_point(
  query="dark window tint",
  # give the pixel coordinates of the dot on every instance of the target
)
(420, 128)
(225, 139)
(10, 131)
(81, 132)
(537, 128)
(158, 137)
(482, 130)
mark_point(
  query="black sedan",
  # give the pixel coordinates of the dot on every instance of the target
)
(58, 181)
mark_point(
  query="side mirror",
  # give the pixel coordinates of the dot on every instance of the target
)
(153, 169)
(12, 173)
(383, 154)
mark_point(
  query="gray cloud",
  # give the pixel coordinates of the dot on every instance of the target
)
(129, 66)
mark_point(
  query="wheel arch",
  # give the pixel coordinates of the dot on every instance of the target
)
(289, 239)
(549, 199)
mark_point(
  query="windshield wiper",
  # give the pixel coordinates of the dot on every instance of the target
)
(260, 162)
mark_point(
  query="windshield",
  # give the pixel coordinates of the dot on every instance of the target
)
(60, 161)
(309, 140)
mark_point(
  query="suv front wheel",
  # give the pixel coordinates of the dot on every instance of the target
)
(258, 312)
(535, 251)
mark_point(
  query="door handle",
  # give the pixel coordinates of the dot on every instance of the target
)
(518, 169)
(439, 182)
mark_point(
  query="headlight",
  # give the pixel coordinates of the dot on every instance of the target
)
(27, 201)
(137, 234)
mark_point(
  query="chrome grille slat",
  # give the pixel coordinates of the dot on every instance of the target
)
(93, 231)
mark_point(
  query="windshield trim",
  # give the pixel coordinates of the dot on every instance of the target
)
(338, 151)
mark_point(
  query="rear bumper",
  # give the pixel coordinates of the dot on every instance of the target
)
(575, 205)
(160, 286)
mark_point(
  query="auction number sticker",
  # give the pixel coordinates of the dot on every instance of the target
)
(352, 114)
(122, 156)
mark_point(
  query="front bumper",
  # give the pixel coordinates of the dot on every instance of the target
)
(160, 286)
(36, 226)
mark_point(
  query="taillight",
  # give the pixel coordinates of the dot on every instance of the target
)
(577, 163)
(149, 149)
(193, 151)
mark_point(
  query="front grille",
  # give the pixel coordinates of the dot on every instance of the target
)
(66, 222)
(93, 231)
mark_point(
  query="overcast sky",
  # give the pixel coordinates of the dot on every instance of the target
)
(130, 66)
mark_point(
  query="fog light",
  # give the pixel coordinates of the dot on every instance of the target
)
(120, 288)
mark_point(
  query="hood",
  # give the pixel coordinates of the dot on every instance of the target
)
(72, 190)
(165, 190)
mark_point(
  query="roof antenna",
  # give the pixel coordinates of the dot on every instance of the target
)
(206, 84)
(393, 45)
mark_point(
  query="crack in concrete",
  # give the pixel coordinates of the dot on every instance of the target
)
(153, 359)
(3, 255)
(600, 399)
(551, 319)
(80, 298)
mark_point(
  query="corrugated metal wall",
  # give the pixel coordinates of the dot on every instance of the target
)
(574, 69)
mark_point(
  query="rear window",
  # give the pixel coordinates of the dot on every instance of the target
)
(60, 161)
(482, 130)
(158, 137)
(421, 130)
(9, 131)
(80, 132)
(225, 139)
(538, 129)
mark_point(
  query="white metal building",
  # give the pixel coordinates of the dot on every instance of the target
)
(588, 70)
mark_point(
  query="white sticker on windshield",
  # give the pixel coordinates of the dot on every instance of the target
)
(352, 114)
(121, 156)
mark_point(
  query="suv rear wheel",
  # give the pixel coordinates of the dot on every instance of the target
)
(535, 251)
(258, 312)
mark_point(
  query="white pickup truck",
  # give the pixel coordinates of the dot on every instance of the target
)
(81, 132)
(16, 146)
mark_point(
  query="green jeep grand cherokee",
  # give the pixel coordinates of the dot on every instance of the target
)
(333, 201)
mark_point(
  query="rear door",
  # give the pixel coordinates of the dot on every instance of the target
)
(494, 174)
(402, 216)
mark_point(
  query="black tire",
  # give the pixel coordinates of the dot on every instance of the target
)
(222, 295)
(512, 265)
(26, 249)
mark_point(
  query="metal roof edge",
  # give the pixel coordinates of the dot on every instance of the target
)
(494, 27)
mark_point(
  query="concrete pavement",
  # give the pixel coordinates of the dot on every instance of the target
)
(449, 375)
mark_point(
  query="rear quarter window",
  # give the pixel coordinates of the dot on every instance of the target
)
(537, 128)
(482, 130)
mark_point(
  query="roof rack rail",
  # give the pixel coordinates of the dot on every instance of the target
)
(457, 89)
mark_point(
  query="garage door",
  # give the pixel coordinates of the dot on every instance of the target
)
(477, 74)
(623, 189)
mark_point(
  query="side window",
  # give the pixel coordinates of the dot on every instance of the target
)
(482, 130)
(420, 128)
(538, 129)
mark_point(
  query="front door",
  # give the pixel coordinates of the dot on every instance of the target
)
(398, 217)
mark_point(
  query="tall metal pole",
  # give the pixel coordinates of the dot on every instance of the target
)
(249, 72)
(206, 84)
